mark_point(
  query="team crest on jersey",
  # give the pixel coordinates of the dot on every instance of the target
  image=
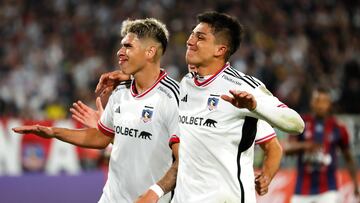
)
(147, 113)
(213, 102)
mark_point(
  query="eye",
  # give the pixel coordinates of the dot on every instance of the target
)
(200, 37)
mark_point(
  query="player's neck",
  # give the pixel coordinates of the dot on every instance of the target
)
(145, 78)
(211, 69)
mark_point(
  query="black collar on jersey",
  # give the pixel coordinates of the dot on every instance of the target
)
(134, 91)
(211, 78)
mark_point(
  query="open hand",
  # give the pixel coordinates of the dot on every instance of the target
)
(241, 99)
(42, 131)
(85, 114)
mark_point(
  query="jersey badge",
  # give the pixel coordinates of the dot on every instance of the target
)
(146, 114)
(213, 102)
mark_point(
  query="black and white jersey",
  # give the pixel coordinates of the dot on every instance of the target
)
(143, 126)
(217, 139)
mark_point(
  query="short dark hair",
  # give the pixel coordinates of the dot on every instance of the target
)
(147, 28)
(322, 89)
(224, 27)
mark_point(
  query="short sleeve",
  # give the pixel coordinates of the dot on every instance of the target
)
(264, 132)
(172, 122)
(106, 123)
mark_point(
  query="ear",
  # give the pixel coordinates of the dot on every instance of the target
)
(151, 52)
(220, 50)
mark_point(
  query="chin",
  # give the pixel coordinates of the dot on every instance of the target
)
(190, 60)
(124, 70)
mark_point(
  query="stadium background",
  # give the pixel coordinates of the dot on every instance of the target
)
(53, 52)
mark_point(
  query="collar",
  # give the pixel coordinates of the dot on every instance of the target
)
(207, 81)
(134, 91)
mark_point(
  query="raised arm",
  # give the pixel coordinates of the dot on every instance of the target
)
(89, 138)
(165, 184)
(284, 119)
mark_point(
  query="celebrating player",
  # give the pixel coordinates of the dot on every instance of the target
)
(135, 118)
(218, 131)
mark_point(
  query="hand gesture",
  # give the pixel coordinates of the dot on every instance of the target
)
(42, 131)
(241, 99)
(262, 183)
(149, 197)
(108, 81)
(86, 115)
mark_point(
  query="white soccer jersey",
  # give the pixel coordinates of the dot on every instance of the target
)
(142, 126)
(217, 139)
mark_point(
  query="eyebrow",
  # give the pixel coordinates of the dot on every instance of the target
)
(199, 33)
(126, 44)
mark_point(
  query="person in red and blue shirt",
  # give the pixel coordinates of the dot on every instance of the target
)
(316, 150)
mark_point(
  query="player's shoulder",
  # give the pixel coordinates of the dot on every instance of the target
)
(237, 77)
(170, 88)
(188, 77)
(123, 85)
(336, 122)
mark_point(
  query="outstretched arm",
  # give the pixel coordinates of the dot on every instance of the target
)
(89, 138)
(273, 154)
(166, 184)
(285, 119)
(296, 147)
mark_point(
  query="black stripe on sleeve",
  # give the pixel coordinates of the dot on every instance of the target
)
(239, 77)
(252, 80)
(175, 86)
(163, 82)
(234, 72)
(230, 73)
(247, 78)
(172, 81)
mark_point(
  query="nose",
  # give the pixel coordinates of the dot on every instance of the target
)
(120, 52)
(190, 41)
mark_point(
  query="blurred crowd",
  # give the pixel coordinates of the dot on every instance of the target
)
(53, 52)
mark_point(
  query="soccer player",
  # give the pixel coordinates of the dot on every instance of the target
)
(218, 131)
(265, 137)
(86, 115)
(141, 117)
(316, 153)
